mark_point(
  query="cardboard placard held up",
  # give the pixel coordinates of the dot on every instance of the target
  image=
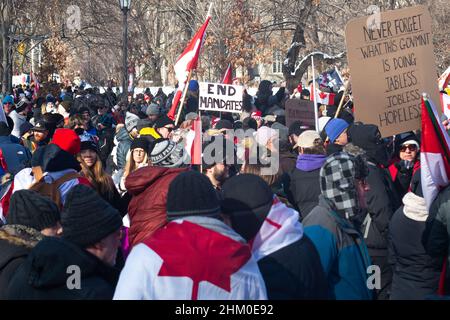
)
(220, 97)
(391, 60)
(303, 110)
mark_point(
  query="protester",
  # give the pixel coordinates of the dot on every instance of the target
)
(172, 262)
(31, 217)
(153, 112)
(15, 156)
(305, 178)
(336, 130)
(382, 199)
(217, 158)
(91, 238)
(415, 274)
(288, 260)
(137, 158)
(164, 126)
(330, 226)
(55, 169)
(148, 187)
(19, 116)
(406, 161)
(8, 104)
(124, 137)
(92, 169)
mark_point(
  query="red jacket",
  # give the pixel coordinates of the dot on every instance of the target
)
(148, 187)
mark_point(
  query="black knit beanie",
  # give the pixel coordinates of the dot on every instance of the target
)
(33, 210)
(192, 194)
(247, 199)
(89, 145)
(140, 143)
(162, 121)
(87, 218)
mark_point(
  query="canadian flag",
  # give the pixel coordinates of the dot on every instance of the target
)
(194, 142)
(187, 261)
(186, 62)
(322, 97)
(445, 103)
(434, 153)
(227, 78)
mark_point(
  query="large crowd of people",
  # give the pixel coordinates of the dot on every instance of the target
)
(101, 199)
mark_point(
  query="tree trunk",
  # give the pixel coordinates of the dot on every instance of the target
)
(291, 76)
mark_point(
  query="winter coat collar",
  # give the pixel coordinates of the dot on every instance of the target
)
(310, 162)
(17, 241)
(415, 207)
(280, 229)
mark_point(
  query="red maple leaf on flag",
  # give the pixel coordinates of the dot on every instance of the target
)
(189, 250)
(322, 95)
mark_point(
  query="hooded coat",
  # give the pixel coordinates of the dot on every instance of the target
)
(16, 242)
(148, 187)
(124, 139)
(44, 275)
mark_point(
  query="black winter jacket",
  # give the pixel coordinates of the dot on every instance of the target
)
(382, 202)
(415, 273)
(305, 190)
(294, 272)
(45, 274)
(437, 233)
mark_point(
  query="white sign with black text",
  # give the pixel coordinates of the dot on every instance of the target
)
(220, 97)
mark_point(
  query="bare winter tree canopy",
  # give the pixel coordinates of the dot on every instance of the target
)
(84, 38)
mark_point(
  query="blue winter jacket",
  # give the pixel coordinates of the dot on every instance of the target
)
(17, 156)
(342, 251)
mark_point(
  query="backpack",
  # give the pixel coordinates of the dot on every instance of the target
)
(51, 190)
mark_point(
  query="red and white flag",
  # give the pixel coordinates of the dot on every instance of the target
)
(186, 261)
(445, 103)
(434, 153)
(186, 62)
(194, 142)
(36, 84)
(227, 78)
(325, 98)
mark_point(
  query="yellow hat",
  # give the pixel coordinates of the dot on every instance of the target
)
(149, 132)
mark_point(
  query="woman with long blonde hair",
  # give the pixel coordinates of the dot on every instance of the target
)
(92, 169)
(136, 158)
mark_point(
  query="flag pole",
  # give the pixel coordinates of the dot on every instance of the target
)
(201, 163)
(316, 115)
(186, 86)
(342, 99)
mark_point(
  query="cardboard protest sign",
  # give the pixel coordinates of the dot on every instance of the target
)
(391, 61)
(220, 97)
(302, 110)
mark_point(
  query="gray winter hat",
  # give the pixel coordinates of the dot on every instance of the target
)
(131, 121)
(153, 109)
(169, 154)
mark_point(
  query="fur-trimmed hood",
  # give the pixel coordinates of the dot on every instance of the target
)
(17, 241)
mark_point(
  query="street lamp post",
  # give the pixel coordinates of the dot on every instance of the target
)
(125, 7)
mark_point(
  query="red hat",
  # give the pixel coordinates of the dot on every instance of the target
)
(256, 115)
(67, 140)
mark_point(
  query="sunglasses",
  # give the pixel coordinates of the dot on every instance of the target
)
(411, 147)
(169, 129)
